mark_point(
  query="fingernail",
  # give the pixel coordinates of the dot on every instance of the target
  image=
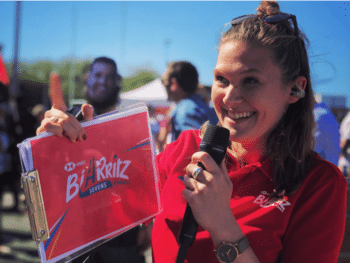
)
(181, 178)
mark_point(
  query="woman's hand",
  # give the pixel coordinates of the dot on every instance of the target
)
(209, 196)
(64, 124)
(56, 120)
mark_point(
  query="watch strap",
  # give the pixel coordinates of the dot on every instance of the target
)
(241, 245)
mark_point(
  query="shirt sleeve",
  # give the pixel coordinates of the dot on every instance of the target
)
(327, 137)
(188, 117)
(316, 229)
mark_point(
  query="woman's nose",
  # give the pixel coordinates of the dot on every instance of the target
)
(232, 96)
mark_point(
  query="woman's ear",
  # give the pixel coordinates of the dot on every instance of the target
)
(174, 85)
(298, 89)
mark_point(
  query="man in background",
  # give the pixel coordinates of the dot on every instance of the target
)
(181, 82)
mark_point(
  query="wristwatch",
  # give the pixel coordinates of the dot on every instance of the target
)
(228, 252)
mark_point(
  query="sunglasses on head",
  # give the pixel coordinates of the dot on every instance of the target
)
(269, 19)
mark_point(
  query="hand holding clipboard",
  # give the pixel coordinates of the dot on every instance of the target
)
(57, 120)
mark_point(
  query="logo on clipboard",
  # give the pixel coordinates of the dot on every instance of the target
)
(100, 176)
(69, 167)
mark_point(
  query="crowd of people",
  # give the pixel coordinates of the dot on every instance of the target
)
(279, 184)
(16, 124)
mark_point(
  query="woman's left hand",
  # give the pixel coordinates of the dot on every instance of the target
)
(209, 194)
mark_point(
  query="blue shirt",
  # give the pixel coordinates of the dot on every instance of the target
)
(327, 137)
(191, 113)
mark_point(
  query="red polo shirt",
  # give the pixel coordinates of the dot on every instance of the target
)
(307, 226)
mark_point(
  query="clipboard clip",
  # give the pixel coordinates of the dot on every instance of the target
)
(35, 205)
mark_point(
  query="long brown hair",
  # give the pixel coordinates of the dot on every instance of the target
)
(290, 145)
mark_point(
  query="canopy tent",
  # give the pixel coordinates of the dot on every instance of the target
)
(152, 93)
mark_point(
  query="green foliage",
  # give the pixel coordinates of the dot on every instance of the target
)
(139, 79)
(73, 72)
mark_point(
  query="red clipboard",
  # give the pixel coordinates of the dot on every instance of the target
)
(91, 191)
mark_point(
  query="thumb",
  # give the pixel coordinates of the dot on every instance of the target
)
(88, 112)
(56, 92)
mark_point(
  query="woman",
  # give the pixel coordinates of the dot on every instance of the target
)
(272, 189)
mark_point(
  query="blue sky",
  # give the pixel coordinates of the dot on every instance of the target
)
(134, 33)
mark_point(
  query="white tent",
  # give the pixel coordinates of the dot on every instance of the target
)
(153, 93)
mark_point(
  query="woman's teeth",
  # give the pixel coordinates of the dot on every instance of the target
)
(237, 116)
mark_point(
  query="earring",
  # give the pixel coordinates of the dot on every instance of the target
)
(298, 91)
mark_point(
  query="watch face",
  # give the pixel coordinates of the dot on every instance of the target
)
(227, 253)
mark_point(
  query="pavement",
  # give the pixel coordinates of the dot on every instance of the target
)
(16, 235)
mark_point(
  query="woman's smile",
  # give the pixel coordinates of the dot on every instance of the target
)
(237, 116)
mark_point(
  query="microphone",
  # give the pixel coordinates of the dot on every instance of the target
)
(214, 142)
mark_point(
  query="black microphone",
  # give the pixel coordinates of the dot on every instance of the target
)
(214, 142)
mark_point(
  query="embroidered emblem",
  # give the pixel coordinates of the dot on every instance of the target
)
(264, 201)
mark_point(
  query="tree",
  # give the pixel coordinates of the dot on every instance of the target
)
(39, 71)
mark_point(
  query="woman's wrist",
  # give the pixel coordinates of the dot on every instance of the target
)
(227, 230)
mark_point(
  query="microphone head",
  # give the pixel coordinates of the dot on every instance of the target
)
(216, 135)
(215, 141)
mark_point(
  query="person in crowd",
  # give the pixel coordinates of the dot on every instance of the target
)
(103, 85)
(272, 199)
(344, 160)
(327, 137)
(155, 127)
(6, 168)
(181, 81)
(5, 250)
(205, 92)
(6, 140)
(16, 124)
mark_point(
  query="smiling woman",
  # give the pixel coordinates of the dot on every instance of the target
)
(271, 197)
(279, 75)
(271, 178)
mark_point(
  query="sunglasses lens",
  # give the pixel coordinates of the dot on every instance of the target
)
(277, 18)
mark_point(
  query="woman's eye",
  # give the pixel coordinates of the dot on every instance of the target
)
(221, 79)
(250, 80)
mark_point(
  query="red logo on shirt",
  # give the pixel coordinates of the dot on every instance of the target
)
(264, 201)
